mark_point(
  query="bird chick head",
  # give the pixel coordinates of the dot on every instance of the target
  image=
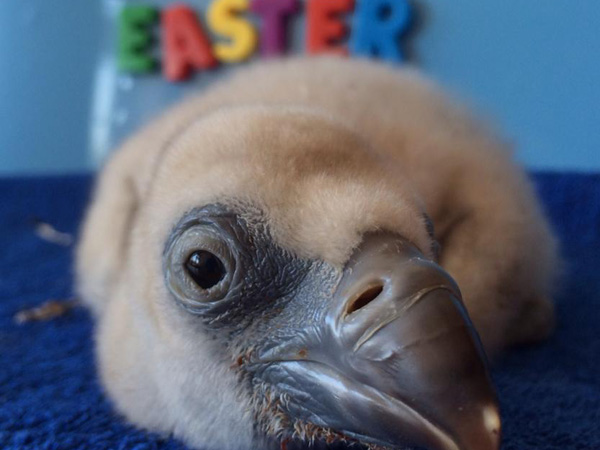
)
(281, 287)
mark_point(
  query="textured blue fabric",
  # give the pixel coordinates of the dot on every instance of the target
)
(49, 393)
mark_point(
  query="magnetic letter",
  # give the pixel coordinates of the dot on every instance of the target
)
(223, 18)
(324, 28)
(185, 46)
(377, 27)
(274, 16)
(135, 38)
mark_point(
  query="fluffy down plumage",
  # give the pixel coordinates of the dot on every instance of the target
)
(328, 149)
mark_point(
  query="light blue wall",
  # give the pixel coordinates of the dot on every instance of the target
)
(533, 66)
(48, 53)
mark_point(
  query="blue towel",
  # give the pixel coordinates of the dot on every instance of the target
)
(49, 392)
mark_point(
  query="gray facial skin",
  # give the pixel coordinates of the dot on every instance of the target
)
(381, 352)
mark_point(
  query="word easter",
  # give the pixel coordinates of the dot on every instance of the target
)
(376, 29)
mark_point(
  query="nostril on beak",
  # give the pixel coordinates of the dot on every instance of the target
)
(366, 297)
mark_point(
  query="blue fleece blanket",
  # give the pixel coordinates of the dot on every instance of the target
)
(49, 393)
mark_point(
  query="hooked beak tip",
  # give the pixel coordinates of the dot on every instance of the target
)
(484, 435)
(491, 420)
(492, 423)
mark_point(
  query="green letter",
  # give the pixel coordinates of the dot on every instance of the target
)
(135, 38)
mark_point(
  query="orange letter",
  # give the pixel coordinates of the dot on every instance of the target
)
(324, 28)
(185, 45)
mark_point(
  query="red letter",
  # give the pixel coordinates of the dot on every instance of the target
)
(185, 46)
(324, 28)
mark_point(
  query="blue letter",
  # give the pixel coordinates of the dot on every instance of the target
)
(377, 28)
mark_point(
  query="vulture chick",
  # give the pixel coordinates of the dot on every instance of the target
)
(264, 271)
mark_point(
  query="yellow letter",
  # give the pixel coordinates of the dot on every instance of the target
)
(223, 18)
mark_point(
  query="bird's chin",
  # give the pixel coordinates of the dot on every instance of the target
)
(330, 410)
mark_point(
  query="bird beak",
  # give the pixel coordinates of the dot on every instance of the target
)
(394, 361)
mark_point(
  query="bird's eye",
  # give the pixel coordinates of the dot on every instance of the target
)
(201, 265)
(205, 268)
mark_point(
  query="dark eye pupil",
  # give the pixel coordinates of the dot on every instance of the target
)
(205, 269)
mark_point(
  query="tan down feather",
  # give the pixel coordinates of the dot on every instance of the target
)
(328, 148)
